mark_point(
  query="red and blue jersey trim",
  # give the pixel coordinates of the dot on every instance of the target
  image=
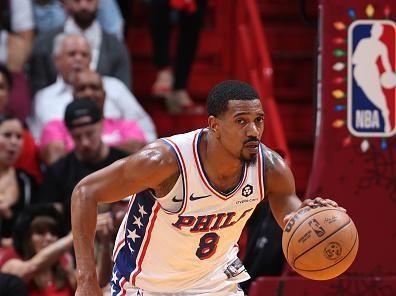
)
(205, 179)
(183, 173)
(261, 171)
(130, 251)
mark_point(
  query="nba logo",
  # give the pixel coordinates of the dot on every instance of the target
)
(372, 78)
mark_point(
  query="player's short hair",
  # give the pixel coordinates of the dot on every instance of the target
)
(217, 102)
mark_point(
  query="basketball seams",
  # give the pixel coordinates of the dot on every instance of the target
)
(346, 256)
(325, 238)
(306, 218)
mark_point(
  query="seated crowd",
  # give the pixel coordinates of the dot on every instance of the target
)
(66, 110)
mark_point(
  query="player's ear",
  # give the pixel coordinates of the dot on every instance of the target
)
(213, 125)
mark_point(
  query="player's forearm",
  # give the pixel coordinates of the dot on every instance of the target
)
(83, 214)
(283, 205)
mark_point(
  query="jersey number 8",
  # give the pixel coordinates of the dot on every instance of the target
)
(207, 245)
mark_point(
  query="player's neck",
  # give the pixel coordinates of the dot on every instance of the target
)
(215, 159)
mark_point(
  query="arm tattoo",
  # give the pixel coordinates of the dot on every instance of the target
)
(269, 164)
(165, 187)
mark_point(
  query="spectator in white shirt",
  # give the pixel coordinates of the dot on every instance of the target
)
(125, 135)
(71, 54)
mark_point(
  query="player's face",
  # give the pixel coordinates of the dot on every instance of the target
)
(87, 141)
(11, 141)
(241, 128)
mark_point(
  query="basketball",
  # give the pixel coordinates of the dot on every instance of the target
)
(320, 243)
(388, 80)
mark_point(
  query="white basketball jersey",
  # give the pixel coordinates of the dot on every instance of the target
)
(195, 247)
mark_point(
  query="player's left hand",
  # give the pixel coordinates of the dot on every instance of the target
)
(317, 201)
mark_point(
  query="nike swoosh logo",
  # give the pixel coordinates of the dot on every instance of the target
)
(192, 197)
(174, 199)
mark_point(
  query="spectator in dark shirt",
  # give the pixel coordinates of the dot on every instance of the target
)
(84, 122)
(28, 159)
(17, 188)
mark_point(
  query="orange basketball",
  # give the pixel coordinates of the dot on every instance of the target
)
(320, 243)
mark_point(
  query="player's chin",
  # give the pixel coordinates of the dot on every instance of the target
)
(249, 157)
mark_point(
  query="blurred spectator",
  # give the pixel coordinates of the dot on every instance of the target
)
(172, 78)
(110, 18)
(109, 55)
(71, 55)
(42, 255)
(16, 33)
(110, 93)
(103, 244)
(17, 188)
(28, 159)
(123, 134)
(84, 122)
(50, 14)
(126, 11)
(16, 38)
(5, 86)
(11, 285)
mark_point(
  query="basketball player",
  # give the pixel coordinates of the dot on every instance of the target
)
(191, 197)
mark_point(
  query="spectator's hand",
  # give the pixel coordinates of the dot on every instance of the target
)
(104, 227)
(5, 211)
(18, 52)
(119, 210)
